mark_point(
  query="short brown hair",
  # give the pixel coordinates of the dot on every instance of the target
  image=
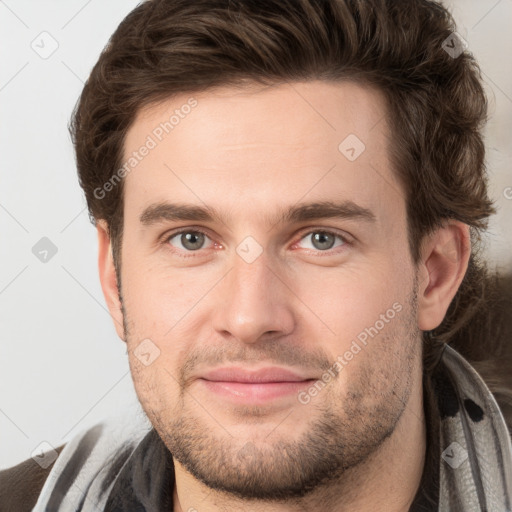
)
(436, 102)
(165, 47)
(435, 99)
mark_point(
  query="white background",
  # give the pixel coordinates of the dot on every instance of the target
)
(62, 366)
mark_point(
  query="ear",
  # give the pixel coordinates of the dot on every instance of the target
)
(108, 278)
(444, 261)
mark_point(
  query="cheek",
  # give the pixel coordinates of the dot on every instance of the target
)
(386, 350)
(344, 301)
(156, 385)
(159, 300)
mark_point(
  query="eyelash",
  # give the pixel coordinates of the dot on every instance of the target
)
(329, 252)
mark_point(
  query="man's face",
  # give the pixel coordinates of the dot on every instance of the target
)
(319, 296)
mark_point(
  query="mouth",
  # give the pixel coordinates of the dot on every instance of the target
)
(254, 387)
(255, 392)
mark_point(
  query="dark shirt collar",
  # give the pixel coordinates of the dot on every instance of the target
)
(146, 481)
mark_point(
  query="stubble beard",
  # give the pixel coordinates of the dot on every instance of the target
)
(344, 432)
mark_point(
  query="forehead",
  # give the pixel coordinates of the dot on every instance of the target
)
(248, 148)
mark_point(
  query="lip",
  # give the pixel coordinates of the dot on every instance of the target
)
(262, 375)
(254, 387)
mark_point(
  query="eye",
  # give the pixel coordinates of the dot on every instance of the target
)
(192, 240)
(321, 240)
(188, 240)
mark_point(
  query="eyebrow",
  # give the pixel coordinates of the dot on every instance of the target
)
(165, 211)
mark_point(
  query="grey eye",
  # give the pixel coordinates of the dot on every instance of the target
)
(189, 240)
(322, 240)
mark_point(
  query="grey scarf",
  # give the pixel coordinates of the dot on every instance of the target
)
(476, 465)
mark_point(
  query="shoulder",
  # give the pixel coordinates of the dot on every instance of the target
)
(21, 485)
(89, 461)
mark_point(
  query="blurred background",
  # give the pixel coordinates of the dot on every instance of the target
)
(62, 366)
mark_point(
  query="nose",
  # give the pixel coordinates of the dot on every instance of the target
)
(254, 302)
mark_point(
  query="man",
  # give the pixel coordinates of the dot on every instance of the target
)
(284, 193)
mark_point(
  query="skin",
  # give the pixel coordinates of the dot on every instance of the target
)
(248, 152)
